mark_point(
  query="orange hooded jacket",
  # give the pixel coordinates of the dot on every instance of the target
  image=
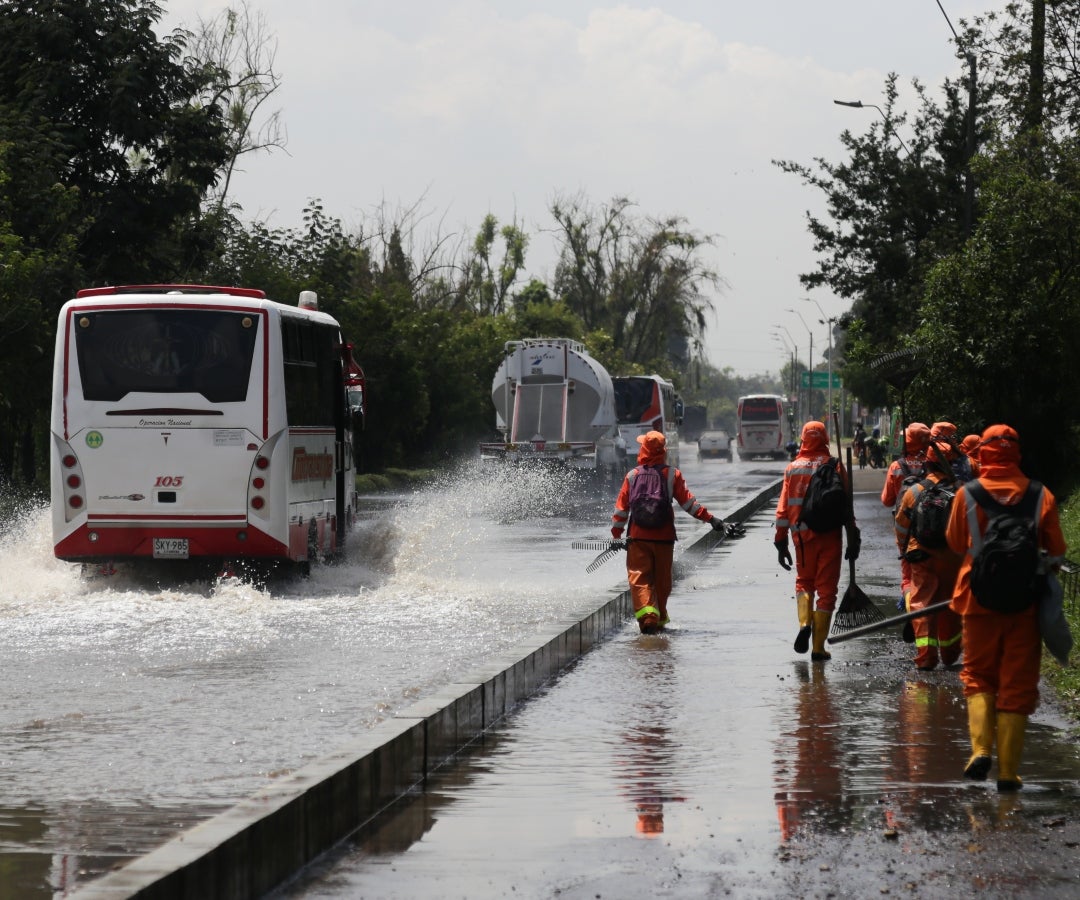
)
(1000, 475)
(813, 452)
(653, 452)
(916, 440)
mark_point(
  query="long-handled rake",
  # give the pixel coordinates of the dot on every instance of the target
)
(610, 547)
(856, 610)
(888, 623)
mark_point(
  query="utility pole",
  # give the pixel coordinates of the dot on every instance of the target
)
(969, 127)
(1037, 76)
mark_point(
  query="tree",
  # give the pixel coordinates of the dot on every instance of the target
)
(31, 270)
(236, 57)
(1001, 319)
(641, 281)
(486, 284)
(120, 107)
(891, 215)
(1002, 40)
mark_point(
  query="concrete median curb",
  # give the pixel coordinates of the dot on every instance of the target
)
(265, 839)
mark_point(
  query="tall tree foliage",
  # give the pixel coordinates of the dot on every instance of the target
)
(118, 102)
(891, 214)
(1002, 42)
(235, 55)
(643, 281)
(1001, 319)
(108, 160)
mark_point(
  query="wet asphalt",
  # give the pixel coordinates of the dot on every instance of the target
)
(714, 761)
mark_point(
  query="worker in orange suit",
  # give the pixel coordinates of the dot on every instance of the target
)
(961, 463)
(817, 553)
(1002, 651)
(969, 446)
(650, 551)
(932, 570)
(911, 465)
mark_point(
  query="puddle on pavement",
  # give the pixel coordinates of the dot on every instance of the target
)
(724, 760)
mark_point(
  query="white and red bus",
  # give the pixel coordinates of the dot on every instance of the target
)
(760, 426)
(646, 403)
(193, 422)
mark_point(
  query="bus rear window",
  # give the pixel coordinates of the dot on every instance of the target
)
(634, 400)
(165, 351)
(760, 410)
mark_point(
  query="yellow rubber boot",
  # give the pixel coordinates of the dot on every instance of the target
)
(822, 619)
(803, 605)
(982, 722)
(1010, 741)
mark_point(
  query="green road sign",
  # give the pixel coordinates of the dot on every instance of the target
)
(821, 380)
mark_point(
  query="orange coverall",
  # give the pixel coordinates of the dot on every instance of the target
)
(817, 554)
(916, 440)
(651, 550)
(1002, 651)
(932, 574)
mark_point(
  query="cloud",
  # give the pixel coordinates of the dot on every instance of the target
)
(480, 106)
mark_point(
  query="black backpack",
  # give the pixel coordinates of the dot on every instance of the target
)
(1005, 569)
(912, 474)
(930, 513)
(650, 506)
(825, 506)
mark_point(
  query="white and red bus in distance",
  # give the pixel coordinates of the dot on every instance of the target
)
(201, 423)
(646, 403)
(760, 426)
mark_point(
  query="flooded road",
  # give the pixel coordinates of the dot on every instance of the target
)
(713, 761)
(132, 709)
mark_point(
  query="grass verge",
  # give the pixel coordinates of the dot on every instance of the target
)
(1065, 680)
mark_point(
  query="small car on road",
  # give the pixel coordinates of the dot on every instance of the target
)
(714, 445)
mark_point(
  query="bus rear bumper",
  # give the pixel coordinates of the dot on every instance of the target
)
(94, 543)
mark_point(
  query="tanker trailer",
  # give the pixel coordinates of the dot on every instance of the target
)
(554, 404)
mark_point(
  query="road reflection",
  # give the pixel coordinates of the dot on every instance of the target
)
(647, 755)
(809, 780)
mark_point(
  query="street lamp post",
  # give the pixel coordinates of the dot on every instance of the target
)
(794, 389)
(809, 365)
(858, 104)
(794, 351)
(828, 321)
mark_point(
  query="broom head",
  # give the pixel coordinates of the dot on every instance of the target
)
(855, 610)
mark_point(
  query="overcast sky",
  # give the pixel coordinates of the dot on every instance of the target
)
(472, 107)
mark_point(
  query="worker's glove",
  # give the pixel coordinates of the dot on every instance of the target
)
(854, 544)
(783, 554)
(616, 533)
(732, 530)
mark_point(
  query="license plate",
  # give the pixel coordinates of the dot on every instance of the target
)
(170, 548)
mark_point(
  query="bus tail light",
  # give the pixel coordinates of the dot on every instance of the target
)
(261, 462)
(72, 482)
(257, 502)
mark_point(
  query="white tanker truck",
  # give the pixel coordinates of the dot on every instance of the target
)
(554, 403)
